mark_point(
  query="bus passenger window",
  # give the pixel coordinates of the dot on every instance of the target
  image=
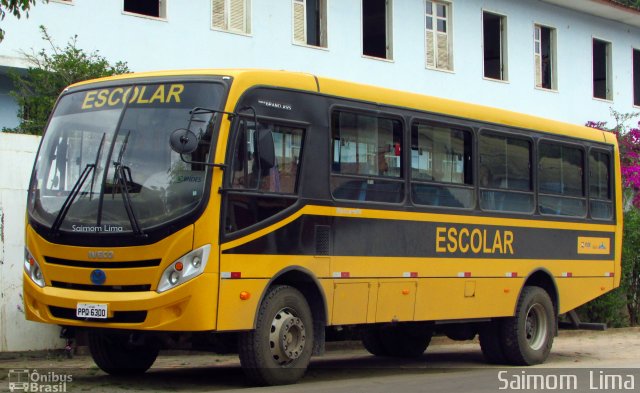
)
(600, 201)
(561, 180)
(367, 159)
(505, 173)
(252, 173)
(441, 166)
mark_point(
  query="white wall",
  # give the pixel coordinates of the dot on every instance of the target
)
(185, 40)
(17, 153)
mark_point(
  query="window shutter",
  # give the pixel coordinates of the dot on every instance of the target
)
(537, 55)
(538, 60)
(299, 25)
(237, 16)
(218, 20)
(430, 49)
(443, 51)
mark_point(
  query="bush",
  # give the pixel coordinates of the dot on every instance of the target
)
(631, 264)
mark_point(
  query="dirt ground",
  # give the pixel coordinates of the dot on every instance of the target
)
(180, 371)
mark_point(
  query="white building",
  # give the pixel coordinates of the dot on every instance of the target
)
(570, 60)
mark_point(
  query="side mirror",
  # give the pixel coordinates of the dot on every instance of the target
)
(183, 141)
(265, 149)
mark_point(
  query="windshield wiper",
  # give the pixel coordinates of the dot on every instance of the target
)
(93, 177)
(70, 198)
(120, 179)
(55, 227)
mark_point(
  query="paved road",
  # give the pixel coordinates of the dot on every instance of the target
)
(612, 358)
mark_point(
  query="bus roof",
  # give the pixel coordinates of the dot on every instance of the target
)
(247, 78)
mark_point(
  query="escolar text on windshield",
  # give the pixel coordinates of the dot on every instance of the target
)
(160, 94)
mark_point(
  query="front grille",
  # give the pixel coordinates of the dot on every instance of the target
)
(102, 288)
(118, 316)
(102, 264)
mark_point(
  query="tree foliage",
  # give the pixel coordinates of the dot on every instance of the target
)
(51, 71)
(629, 3)
(631, 264)
(622, 306)
(629, 143)
(15, 8)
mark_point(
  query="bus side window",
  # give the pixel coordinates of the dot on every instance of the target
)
(441, 166)
(367, 161)
(561, 180)
(505, 173)
(600, 196)
(275, 179)
(249, 173)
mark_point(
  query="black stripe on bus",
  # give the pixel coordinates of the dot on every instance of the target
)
(370, 237)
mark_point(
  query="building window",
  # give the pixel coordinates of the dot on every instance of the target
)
(544, 52)
(231, 15)
(438, 35)
(602, 87)
(636, 77)
(152, 8)
(310, 22)
(494, 33)
(377, 28)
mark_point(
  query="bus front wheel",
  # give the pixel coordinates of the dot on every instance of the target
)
(528, 336)
(118, 354)
(278, 350)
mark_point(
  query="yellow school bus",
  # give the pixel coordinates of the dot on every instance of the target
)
(258, 211)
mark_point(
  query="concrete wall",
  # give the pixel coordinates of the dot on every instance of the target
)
(17, 153)
(185, 40)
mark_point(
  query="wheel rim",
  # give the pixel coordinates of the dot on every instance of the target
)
(287, 337)
(536, 328)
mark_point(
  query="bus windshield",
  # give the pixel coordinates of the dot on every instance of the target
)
(105, 164)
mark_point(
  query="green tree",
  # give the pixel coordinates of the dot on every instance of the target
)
(16, 8)
(630, 3)
(621, 306)
(631, 264)
(51, 71)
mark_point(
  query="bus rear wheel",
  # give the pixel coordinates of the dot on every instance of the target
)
(528, 336)
(277, 352)
(410, 340)
(116, 354)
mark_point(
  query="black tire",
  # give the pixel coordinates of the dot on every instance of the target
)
(528, 336)
(402, 341)
(116, 355)
(491, 342)
(372, 341)
(277, 352)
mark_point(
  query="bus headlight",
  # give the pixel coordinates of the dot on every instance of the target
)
(184, 269)
(32, 268)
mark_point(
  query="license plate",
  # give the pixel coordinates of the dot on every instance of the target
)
(91, 310)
